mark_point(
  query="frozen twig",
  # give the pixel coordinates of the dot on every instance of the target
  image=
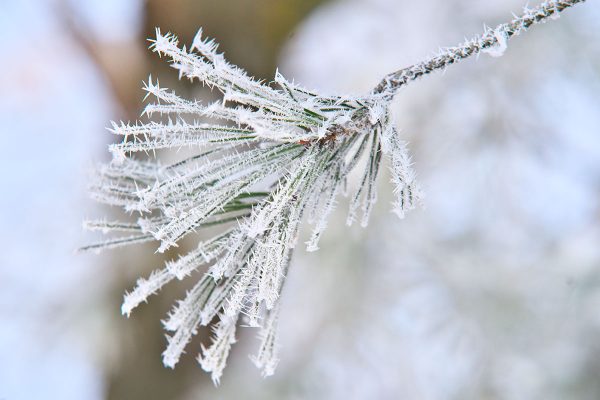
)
(492, 41)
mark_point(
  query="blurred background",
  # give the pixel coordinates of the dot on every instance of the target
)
(490, 292)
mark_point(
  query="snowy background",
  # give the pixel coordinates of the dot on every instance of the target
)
(492, 291)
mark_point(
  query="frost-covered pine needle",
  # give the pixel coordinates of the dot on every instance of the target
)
(277, 153)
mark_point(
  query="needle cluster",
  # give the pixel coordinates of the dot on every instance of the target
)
(272, 157)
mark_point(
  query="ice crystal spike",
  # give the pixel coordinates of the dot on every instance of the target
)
(275, 154)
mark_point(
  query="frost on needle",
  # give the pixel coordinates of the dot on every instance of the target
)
(277, 154)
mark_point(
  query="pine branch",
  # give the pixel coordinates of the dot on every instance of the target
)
(278, 155)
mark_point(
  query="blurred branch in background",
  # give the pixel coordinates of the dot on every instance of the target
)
(122, 64)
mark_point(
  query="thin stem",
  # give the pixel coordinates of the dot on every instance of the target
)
(390, 84)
